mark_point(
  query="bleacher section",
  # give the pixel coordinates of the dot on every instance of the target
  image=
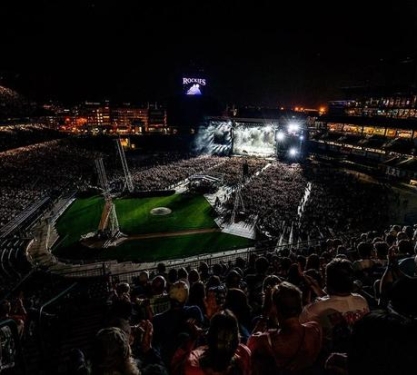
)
(24, 218)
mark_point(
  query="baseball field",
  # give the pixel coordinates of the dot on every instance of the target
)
(157, 228)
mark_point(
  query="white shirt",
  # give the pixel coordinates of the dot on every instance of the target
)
(336, 315)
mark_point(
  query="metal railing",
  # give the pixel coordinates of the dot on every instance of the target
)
(45, 334)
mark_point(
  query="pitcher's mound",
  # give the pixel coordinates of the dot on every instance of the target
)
(160, 211)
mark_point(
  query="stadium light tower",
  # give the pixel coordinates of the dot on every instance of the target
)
(238, 203)
(126, 172)
(108, 221)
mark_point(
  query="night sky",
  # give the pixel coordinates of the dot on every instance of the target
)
(260, 53)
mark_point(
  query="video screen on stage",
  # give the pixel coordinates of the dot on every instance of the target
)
(214, 139)
(254, 139)
(194, 86)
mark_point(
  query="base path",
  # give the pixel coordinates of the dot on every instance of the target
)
(171, 234)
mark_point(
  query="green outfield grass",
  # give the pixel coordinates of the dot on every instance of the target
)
(189, 212)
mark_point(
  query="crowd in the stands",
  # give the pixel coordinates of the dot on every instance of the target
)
(330, 309)
(12, 104)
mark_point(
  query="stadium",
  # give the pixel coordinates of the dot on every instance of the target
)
(83, 215)
(192, 222)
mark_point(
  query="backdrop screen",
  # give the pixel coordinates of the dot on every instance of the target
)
(253, 139)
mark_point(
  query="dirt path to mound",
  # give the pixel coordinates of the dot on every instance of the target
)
(171, 234)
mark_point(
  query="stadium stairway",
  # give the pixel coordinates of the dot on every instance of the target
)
(38, 250)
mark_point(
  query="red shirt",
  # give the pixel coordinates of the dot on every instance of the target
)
(295, 348)
(242, 359)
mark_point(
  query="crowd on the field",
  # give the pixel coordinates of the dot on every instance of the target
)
(274, 193)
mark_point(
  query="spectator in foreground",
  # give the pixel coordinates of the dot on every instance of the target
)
(237, 302)
(112, 353)
(339, 308)
(268, 308)
(171, 327)
(222, 355)
(293, 347)
(16, 311)
(382, 343)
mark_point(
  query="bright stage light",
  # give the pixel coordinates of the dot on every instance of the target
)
(293, 127)
(280, 136)
(293, 152)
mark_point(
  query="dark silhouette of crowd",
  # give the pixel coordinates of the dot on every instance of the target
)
(342, 314)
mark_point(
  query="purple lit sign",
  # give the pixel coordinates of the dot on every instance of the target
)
(193, 86)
